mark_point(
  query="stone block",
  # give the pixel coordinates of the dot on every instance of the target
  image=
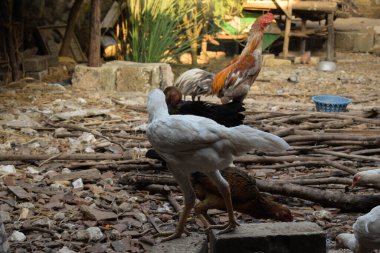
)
(195, 243)
(281, 237)
(267, 56)
(314, 60)
(356, 41)
(124, 76)
(102, 78)
(364, 41)
(39, 75)
(277, 62)
(52, 60)
(35, 63)
(344, 40)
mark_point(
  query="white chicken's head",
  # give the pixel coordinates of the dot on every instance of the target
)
(156, 105)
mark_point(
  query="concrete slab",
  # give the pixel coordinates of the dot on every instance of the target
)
(195, 243)
(281, 237)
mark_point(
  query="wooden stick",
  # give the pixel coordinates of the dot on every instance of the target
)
(328, 137)
(340, 166)
(350, 156)
(330, 180)
(346, 202)
(174, 202)
(264, 159)
(366, 151)
(96, 156)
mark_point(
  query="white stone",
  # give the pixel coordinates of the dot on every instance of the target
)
(66, 171)
(78, 183)
(17, 236)
(59, 216)
(82, 101)
(65, 249)
(89, 150)
(87, 138)
(7, 169)
(32, 170)
(140, 216)
(28, 131)
(94, 233)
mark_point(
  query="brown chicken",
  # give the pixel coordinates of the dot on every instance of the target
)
(245, 195)
(235, 80)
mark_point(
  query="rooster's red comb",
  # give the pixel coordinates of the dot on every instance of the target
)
(266, 18)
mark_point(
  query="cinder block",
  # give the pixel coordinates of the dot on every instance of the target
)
(35, 63)
(195, 243)
(280, 237)
(39, 75)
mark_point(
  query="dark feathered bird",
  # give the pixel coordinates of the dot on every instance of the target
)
(246, 197)
(228, 115)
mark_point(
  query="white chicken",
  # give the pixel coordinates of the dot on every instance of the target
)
(367, 177)
(366, 235)
(191, 144)
(195, 82)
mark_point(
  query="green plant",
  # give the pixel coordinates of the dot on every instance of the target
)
(155, 31)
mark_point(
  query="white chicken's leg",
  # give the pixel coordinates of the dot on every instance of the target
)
(189, 199)
(224, 190)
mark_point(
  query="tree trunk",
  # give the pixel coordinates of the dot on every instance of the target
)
(69, 34)
(94, 54)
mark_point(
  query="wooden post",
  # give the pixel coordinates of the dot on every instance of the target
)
(288, 25)
(69, 33)
(330, 37)
(303, 40)
(94, 53)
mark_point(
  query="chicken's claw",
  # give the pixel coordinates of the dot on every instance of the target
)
(231, 226)
(228, 227)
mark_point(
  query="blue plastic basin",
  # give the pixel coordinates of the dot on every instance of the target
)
(331, 103)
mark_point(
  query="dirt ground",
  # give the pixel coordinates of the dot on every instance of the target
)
(38, 200)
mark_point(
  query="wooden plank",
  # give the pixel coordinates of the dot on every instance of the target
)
(282, 7)
(70, 28)
(298, 5)
(113, 15)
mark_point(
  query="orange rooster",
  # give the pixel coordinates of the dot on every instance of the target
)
(235, 80)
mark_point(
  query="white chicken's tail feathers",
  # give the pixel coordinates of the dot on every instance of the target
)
(246, 138)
